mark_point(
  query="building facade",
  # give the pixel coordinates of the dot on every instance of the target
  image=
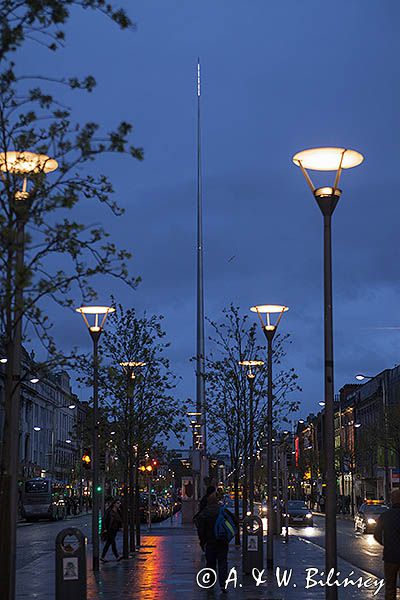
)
(50, 418)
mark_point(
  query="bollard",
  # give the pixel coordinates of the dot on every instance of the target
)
(71, 565)
(253, 551)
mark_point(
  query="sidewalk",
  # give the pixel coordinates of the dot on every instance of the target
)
(165, 568)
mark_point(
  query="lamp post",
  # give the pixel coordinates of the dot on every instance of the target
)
(132, 497)
(14, 165)
(328, 159)
(97, 316)
(387, 485)
(250, 378)
(269, 330)
(196, 425)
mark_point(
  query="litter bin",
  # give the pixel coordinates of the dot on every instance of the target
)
(252, 544)
(71, 565)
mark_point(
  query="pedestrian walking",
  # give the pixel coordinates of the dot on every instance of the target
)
(387, 533)
(112, 524)
(216, 527)
(203, 501)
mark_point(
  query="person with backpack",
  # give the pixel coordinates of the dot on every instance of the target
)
(216, 527)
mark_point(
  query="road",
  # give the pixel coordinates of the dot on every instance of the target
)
(36, 539)
(361, 550)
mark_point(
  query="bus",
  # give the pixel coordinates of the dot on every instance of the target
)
(42, 499)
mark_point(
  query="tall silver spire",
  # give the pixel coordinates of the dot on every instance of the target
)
(200, 354)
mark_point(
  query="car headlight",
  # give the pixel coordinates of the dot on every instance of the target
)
(309, 515)
(371, 521)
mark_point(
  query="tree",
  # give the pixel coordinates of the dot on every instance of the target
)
(232, 341)
(136, 386)
(43, 21)
(45, 254)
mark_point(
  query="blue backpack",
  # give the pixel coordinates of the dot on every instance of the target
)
(224, 528)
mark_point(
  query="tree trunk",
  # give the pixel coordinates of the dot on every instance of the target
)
(236, 501)
(125, 550)
(245, 486)
(137, 501)
(132, 494)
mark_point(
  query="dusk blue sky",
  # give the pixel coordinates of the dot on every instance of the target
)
(277, 77)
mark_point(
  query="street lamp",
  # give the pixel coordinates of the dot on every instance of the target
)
(269, 328)
(328, 159)
(14, 165)
(250, 377)
(361, 377)
(95, 317)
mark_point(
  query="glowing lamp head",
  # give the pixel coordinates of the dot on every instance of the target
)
(268, 310)
(361, 377)
(95, 316)
(133, 363)
(328, 159)
(26, 163)
(250, 364)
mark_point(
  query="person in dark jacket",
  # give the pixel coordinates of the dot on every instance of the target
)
(112, 524)
(203, 502)
(387, 533)
(216, 550)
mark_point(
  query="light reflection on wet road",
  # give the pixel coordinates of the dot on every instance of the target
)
(361, 550)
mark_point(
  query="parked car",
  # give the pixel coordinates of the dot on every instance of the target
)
(368, 514)
(299, 513)
(166, 502)
(156, 509)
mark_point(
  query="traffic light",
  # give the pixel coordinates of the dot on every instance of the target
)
(87, 459)
(99, 489)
